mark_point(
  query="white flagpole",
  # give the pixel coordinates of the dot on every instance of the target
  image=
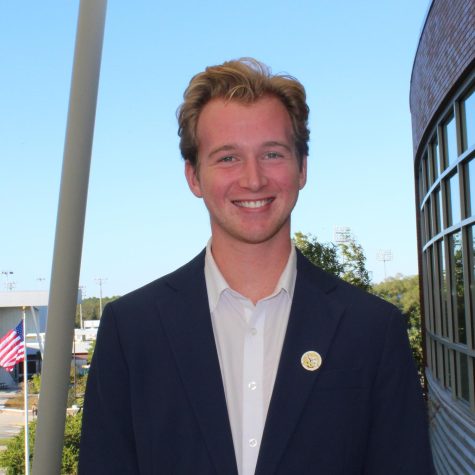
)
(25, 387)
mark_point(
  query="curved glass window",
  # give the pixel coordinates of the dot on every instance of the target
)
(468, 119)
(446, 185)
(453, 192)
(450, 139)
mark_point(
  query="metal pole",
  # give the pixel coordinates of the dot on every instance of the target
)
(25, 393)
(80, 316)
(74, 365)
(69, 237)
(37, 329)
(100, 281)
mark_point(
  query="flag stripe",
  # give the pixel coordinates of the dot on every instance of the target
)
(11, 348)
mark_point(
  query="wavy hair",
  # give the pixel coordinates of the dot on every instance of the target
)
(245, 80)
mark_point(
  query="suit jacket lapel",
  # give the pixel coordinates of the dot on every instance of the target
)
(312, 324)
(184, 311)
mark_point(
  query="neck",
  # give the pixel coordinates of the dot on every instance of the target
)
(253, 270)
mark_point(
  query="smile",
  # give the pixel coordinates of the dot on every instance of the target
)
(253, 204)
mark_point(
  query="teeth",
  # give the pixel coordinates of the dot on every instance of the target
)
(253, 204)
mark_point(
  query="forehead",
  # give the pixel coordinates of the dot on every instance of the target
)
(224, 121)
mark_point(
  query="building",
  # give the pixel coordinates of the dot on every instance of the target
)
(12, 305)
(35, 305)
(442, 102)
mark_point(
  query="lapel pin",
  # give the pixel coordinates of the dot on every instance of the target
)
(311, 360)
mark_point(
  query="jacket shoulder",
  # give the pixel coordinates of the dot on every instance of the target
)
(148, 294)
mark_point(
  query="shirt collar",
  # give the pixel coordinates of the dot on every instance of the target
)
(216, 283)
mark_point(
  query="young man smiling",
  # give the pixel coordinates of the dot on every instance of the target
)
(249, 359)
(249, 177)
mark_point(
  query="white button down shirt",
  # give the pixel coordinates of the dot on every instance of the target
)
(249, 341)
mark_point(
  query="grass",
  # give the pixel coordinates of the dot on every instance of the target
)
(17, 401)
(4, 442)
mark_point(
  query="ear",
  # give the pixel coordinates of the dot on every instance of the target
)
(191, 174)
(303, 173)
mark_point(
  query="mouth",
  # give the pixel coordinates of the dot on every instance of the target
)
(253, 203)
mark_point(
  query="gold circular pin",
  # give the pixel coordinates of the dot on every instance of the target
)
(311, 360)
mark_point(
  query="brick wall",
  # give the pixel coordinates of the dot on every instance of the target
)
(446, 52)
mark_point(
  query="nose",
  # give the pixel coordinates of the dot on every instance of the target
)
(253, 176)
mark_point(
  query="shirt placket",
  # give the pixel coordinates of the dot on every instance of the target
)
(253, 363)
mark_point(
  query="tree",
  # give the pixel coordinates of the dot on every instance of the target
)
(354, 264)
(345, 260)
(90, 308)
(403, 292)
(324, 255)
(13, 457)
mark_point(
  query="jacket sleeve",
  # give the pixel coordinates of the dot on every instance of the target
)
(107, 439)
(398, 441)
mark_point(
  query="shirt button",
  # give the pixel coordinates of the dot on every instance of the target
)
(252, 385)
(252, 442)
(253, 331)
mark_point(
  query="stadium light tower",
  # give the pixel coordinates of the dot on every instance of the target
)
(341, 234)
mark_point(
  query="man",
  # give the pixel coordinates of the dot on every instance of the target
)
(249, 359)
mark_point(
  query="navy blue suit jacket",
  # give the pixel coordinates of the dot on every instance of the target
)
(155, 401)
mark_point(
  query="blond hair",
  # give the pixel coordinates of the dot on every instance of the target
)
(245, 80)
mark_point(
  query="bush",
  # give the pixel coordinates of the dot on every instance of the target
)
(13, 458)
(34, 384)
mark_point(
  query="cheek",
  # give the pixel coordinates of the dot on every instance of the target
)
(293, 184)
(213, 192)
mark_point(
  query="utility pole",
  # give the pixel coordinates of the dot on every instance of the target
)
(384, 255)
(100, 281)
(8, 285)
(82, 289)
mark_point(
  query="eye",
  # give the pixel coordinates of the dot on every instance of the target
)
(226, 159)
(273, 155)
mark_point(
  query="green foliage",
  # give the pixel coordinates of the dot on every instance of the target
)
(90, 352)
(324, 255)
(76, 391)
(91, 308)
(13, 458)
(354, 264)
(34, 384)
(403, 292)
(345, 260)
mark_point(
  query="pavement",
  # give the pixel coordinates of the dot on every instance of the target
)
(11, 420)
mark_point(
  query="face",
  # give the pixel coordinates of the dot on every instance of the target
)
(248, 173)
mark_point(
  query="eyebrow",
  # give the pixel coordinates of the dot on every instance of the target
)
(274, 143)
(223, 148)
(232, 147)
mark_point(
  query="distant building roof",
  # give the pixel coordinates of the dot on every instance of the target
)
(24, 299)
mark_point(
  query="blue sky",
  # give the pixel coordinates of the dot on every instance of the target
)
(354, 58)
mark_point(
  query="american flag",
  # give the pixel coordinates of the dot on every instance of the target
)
(11, 348)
